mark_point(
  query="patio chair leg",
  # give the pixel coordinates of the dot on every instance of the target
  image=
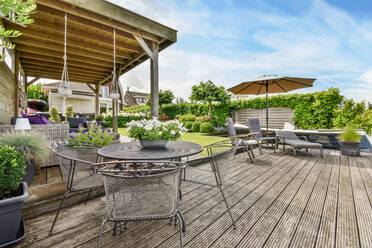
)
(227, 206)
(294, 151)
(247, 150)
(260, 148)
(100, 232)
(251, 148)
(180, 215)
(321, 152)
(86, 201)
(59, 208)
(181, 224)
(283, 147)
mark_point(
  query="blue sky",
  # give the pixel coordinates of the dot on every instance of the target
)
(231, 41)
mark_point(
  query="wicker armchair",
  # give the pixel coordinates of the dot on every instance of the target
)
(78, 167)
(220, 154)
(140, 191)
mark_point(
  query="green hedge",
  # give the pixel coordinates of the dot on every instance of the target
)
(318, 110)
(188, 124)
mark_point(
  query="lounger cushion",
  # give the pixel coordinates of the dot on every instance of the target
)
(303, 144)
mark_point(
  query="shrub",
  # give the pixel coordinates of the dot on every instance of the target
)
(54, 117)
(12, 170)
(350, 135)
(367, 121)
(124, 118)
(206, 128)
(350, 113)
(186, 117)
(69, 112)
(196, 127)
(188, 124)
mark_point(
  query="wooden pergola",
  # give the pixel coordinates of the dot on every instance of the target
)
(89, 43)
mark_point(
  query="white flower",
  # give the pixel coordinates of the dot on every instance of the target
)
(139, 124)
(148, 127)
(173, 132)
(181, 133)
(128, 129)
(160, 133)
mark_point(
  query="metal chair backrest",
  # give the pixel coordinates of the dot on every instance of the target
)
(221, 155)
(77, 163)
(255, 127)
(141, 190)
(230, 127)
(287, 135)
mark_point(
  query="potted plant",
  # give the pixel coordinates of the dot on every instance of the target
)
(69, 112)
(95, 134)
(32, 146)
(350, 142)
(12, 193)
(153, 133)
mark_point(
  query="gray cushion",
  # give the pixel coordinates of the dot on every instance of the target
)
(303, 144)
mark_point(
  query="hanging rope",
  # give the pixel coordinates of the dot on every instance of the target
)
(64, 87)
(114, 89)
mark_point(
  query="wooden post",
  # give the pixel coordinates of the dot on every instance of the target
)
(154, 71)
(16, 83)
(96, 100)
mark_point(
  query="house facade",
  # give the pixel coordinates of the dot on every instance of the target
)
(82, 98)
(133, 98)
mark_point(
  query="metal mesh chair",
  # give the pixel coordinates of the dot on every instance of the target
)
(245, 140)
(254, 126)
(220, 154)
(140, 191)
(77, 162)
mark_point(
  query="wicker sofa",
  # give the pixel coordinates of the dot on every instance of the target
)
(52, 131)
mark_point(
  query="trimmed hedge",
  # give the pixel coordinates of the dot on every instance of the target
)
(196, 127)
(206, 127)
(122, 120)
(188, 124)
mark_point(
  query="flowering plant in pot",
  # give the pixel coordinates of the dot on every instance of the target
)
(33, 146)
(95, 134)
(13, 193)
(154, 133)
(350, 142)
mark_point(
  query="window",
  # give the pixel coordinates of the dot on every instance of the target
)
(9, 59)
(104, 91)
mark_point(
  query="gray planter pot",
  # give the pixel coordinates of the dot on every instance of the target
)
(350, 148)
(153, 144)
(30, 173)
(10, 216)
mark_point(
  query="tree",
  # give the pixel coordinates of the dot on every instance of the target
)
(165, 97)
(208, 92)
(34, 92)
(16, 11)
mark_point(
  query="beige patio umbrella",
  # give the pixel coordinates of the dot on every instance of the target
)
(267, 85)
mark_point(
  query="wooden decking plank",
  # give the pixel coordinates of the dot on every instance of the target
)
(307, 228)
(327, 227)
(142, 227)
(367, 178)
(248, 218)
(284, 230)
(206, 203)
(40, 178)
(212, 216)
(262, 229)
(346, 229)
(53, 175)
(362, 204)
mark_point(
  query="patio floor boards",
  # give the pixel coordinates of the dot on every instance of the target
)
(279, 201)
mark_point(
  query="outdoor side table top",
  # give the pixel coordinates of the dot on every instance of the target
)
(134, 151)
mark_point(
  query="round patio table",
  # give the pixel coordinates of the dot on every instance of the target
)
(134, 151)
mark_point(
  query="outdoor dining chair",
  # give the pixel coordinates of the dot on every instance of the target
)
(262, 136)
(245, 140)
(220, 155)
(141, 191)
(77, 163)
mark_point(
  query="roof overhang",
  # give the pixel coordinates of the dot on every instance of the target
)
(89, 40)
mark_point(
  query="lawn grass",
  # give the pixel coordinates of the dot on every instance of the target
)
(198, 138)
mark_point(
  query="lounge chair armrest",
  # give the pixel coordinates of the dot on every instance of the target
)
(267, 132)
(242, 136)
(305, 138)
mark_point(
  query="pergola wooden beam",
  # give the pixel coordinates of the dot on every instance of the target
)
(118, 18)
(53, 63)
(71, 70)
(58, 74)
(57, 77)
(32, 81)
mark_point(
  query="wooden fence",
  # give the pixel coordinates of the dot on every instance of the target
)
(277, 116)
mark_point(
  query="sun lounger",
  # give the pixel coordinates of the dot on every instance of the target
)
(291, 139)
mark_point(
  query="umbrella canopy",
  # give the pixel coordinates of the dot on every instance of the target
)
(271, 85)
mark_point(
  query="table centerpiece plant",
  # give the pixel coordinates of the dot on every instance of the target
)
(95, 134)
(154, 133)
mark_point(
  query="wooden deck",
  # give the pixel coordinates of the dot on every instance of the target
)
(279, 201)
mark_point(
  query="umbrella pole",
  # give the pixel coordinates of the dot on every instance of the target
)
(267, 105)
